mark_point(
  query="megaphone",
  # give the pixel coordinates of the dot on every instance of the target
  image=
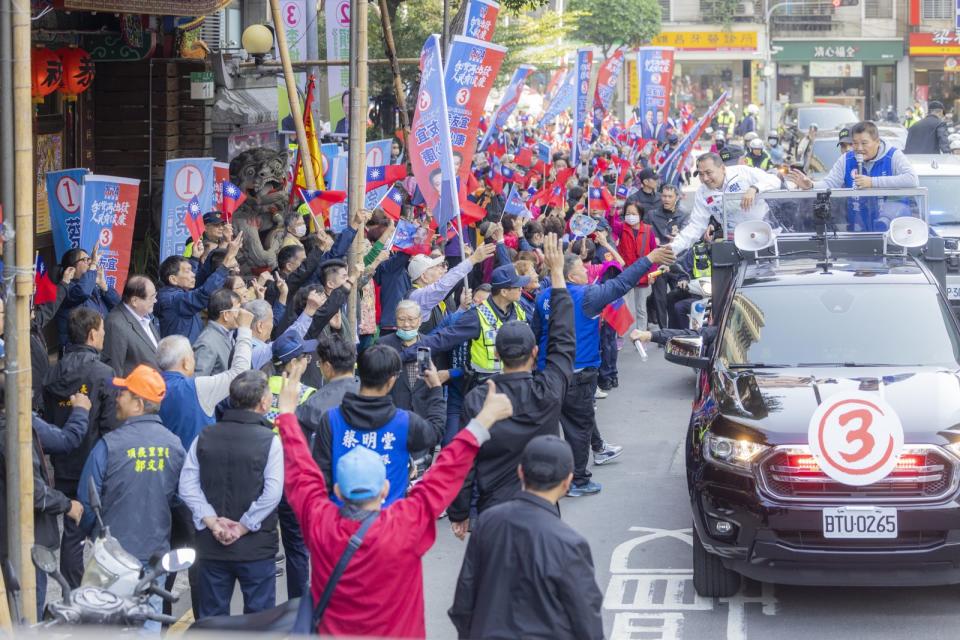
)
(753, 235)
(907, 232)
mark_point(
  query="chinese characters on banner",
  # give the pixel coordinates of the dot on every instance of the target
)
(64, 199)
(431, 151)
(481, 19)
(337, 14)
(511, 96)
(562, 100)
(655, 70)
(471, 69)
(581, 105)
(221, 173)
(606, 86)
(109, 212)
(184, 178)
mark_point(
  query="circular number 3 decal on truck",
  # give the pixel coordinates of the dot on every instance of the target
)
(856, 438)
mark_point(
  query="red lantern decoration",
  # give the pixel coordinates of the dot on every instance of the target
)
(46, 73)
(77, 72)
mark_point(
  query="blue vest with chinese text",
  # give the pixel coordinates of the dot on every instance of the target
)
(390, 441)
(862, 213)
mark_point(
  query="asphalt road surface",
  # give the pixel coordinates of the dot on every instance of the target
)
(639, 531)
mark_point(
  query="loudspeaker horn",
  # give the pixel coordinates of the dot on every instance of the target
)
(753, 235)
(908, 232)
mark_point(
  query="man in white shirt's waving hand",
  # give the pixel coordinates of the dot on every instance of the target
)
(716, 180)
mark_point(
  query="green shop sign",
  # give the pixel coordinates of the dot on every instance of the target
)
(876, 51)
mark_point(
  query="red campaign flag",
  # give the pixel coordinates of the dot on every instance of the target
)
(496, 182)
(599, 196)
(525, 157)
(392, 203)
(471, 212)
(623, 166)
(193, 219)
(618, 316)
(233, 198)
(45, 290)
(496, 149)
(384, 175)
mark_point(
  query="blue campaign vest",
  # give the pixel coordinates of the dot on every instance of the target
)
(180, 410)
(587, 329)
(862, 212)
(390, 441)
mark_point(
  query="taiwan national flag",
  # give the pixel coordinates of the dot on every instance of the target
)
(193, 219)
(618, 316)
(392, 203)
(321, 201)
(384, 175)
(599, 197)
(471, 212)
(46, 291)
(524, 157)
(232, 199)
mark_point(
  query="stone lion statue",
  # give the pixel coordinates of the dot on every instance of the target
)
(261, 173)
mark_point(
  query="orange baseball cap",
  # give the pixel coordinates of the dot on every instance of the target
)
(145, 382)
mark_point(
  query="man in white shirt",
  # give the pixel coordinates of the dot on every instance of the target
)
(716, 180)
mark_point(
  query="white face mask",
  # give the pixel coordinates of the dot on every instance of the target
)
(300, 230)
(632, 219)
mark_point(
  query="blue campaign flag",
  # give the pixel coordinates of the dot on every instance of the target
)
(543, 152)
(329, 151)
(563, 100)
(514, 205)
(581, 104)
(184, 179)
(404, 236)
(673, 164)
(65, 199)
(340, 212)
(511, 97)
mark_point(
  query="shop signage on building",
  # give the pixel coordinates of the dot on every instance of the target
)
(707, 40)
(935, 43)
(870, 51)
(834, 69)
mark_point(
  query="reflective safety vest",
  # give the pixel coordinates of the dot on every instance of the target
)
(702, 265)
(763, 162)
(276, 384)
(483, 348)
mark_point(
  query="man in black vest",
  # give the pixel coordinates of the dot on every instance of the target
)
(930, 134)
(232, 481)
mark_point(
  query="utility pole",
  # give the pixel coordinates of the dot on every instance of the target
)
(395, 68)
(356, 187)
(19, 449)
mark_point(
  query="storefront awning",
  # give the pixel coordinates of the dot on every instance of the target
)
(193, 8)
(872, 51)
(236, 109)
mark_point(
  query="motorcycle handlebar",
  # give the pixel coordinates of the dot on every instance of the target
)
(163, 593)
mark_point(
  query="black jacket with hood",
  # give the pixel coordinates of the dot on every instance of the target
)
(79, 370)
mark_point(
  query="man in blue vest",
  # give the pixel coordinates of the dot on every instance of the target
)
(369, 419)
(871, 163)
(577, 416)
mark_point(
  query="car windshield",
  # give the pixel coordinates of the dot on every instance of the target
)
(942, 198)
(826, 117)
(825, 154)
(841, 325)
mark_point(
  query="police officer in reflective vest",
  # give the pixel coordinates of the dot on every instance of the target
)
(369, 419)
(479, 326)
(286, 348)
(758, 157)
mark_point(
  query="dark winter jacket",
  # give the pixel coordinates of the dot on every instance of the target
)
(928, 136)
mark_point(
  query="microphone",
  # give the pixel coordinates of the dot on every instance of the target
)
(859, 158)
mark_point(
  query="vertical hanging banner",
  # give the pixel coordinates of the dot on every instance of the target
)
(431, 152)
(607, 78)
(337, 14)
(221, 174)
(557, 78)
(293, 14)
(562, 100)
(183, 179)
(109, 212)
(65, 198)
(509, 101)
(581, 104)
(655, 75)
(471, 69)
(481, 19)
(340, 212)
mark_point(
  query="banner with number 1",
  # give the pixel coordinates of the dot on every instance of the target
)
(184, 179)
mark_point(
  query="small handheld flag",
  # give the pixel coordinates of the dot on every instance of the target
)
(233, 198)
(46, 291)
(193, 219)
(392, 203)
(384, 175)
(320, 201)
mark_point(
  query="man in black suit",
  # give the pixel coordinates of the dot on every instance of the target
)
(132, 332)
(930, 134)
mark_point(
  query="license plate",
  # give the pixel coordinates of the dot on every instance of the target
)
(953, 293)
(860, 522)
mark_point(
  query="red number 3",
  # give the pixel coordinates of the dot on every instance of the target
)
(861, 433)
(291, 14)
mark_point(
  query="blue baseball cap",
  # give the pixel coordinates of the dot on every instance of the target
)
(360, 474)
(506, 277)
(287, 347)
